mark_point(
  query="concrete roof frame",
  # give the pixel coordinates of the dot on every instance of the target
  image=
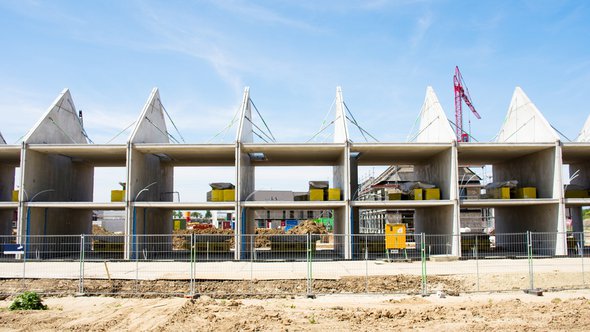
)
(524, 123)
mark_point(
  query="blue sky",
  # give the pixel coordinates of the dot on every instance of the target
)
(292, 55)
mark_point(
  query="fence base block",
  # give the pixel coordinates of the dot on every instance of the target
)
(534, 291)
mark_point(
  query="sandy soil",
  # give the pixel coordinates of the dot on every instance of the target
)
(567, 310)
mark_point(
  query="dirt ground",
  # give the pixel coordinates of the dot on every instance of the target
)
(404, 284)
(566, 310)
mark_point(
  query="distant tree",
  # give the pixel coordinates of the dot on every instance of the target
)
(208, 215)
(196, 214)
(177, 214)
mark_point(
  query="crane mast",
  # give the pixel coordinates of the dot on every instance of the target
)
(461, 95)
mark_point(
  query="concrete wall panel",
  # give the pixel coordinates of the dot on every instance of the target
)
(151, 125)
(6, 182)
(539, 218)
(535, 170)
(59, 125)
(5, 224)
(438, 171)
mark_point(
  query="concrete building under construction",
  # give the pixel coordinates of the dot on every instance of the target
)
(57, 166)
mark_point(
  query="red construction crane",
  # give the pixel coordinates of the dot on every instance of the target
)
(461, 94)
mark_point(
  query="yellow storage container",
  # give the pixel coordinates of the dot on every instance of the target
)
(117, 195)
(334, 194)
(499, 193)
(229, 195)
(394, 196)
(576, 193)
(15, 195)
(418, 194)
(432, 194)
(316, 194)
(526, 192)
(216, 195)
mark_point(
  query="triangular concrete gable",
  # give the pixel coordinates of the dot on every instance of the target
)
(524, 123)
(434, 125)
(584, 135)
(151, 125)
(340, 124)
(59, 125)
(245, 134)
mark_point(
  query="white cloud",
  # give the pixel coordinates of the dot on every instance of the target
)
(422, 26)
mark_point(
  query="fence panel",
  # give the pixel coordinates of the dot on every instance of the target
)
(332, 272)
(551, 271)
(503, 266)
(392, 270)
(447, 270)
(54, 258)
(272, 264)
(215, 271)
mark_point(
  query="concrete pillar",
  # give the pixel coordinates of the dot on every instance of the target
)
(6, 187)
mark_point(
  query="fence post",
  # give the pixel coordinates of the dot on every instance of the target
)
(252, 240)
(366, 264)
(477, 260)
(136, 255)
(192, 263)
(423, 257)
(530, 259)
(309, 267)
(81, 281)
(25, 262)
(580, 247)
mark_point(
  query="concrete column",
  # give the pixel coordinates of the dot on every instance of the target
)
(558, 193)
(245, 185)
(6, 187)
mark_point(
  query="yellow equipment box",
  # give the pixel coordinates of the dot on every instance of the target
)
(499, 193)
(576, 193)
(217, 195)
(526, 192)
(395, 236)
(316, 194)
(432, 194)
(117, 195)
(15, 195)
(418, 194)
(334, 194)
(229, 195)
(394, 196)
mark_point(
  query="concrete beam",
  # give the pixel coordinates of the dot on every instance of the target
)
(387, 154)
(297, 154)
(192, 154)
(105, 155)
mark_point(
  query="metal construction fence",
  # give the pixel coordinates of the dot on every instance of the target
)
(309, 264)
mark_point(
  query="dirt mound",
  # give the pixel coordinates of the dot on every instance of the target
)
(308, 227)
(99, 230)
